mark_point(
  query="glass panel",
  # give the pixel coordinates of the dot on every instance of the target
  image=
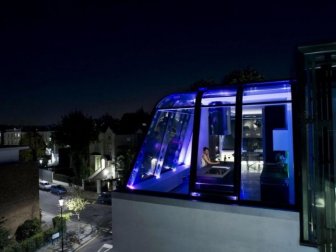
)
(178, 101)
(267, 170)
(163, 163)
(219, 97)
(267, 92)
(215, 167)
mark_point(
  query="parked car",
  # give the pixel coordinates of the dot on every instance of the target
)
(105, 198)
(44, 185)
(58, 189)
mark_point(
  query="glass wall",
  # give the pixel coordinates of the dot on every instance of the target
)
(215, 166)
(163, 163)
(267, 171)
(243, 145)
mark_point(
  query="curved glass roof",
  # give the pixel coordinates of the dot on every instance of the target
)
(277, 91)
(219, 96)
(178, 100)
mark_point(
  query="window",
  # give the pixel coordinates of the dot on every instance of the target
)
(163, 163)
(217, 138)
(267, 171)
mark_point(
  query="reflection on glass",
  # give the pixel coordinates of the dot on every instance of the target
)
(178, 101)
(164, 160)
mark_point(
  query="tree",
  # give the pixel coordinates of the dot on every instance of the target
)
(130, 123)
(36, 144)
(4, 234)
(124, 160)
(106, 121)
(241, 76)
(77, 131)
(202, 83)
(76, 203)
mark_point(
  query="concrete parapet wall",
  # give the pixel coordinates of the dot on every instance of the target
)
(151, 224)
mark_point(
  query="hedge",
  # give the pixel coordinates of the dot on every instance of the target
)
(33, 243)
(58, 222)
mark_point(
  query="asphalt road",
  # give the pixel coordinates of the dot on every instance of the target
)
(49, 202)
(97, 215)
(102, 243)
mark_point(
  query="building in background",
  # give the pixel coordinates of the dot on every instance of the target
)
(316, 143)
(12, 136)
(109, 154)
(19, 198)
(102, 160)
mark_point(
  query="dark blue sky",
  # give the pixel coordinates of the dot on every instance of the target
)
(117, 56)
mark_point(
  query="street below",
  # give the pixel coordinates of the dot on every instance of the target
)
(97, 215)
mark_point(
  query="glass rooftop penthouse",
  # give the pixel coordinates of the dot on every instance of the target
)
(271, 144)
(248, 132)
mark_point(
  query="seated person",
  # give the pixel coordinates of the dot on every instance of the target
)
(206, 161)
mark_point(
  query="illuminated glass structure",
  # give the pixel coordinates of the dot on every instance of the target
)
(271, 144)
(248, 131)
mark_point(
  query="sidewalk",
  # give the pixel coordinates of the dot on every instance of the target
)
(71, 240)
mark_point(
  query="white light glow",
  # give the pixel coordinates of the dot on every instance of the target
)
(195, 194)
(267, 97)
(224, 100)
(153, 165)
(320, 203)
(106, 172)
(131, 187)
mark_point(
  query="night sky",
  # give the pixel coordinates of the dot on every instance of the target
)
(118, 56)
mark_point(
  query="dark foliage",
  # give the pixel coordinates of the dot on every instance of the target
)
(105, 121)
(28, 229)
(202, 83)
(77, 131)
(241, 76)
(4, 233)
(59, 224)
(36, 144)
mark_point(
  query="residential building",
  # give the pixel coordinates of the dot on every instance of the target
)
(19, 198)
(104, 152)
(271, 185)
(102, 158)
(12, 136)
(51, 148)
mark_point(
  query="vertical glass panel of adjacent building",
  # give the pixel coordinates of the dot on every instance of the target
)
(163, 163)
(217, 123)
(267, 170)
(318, 180)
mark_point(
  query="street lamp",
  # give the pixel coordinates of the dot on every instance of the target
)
(61, 202)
